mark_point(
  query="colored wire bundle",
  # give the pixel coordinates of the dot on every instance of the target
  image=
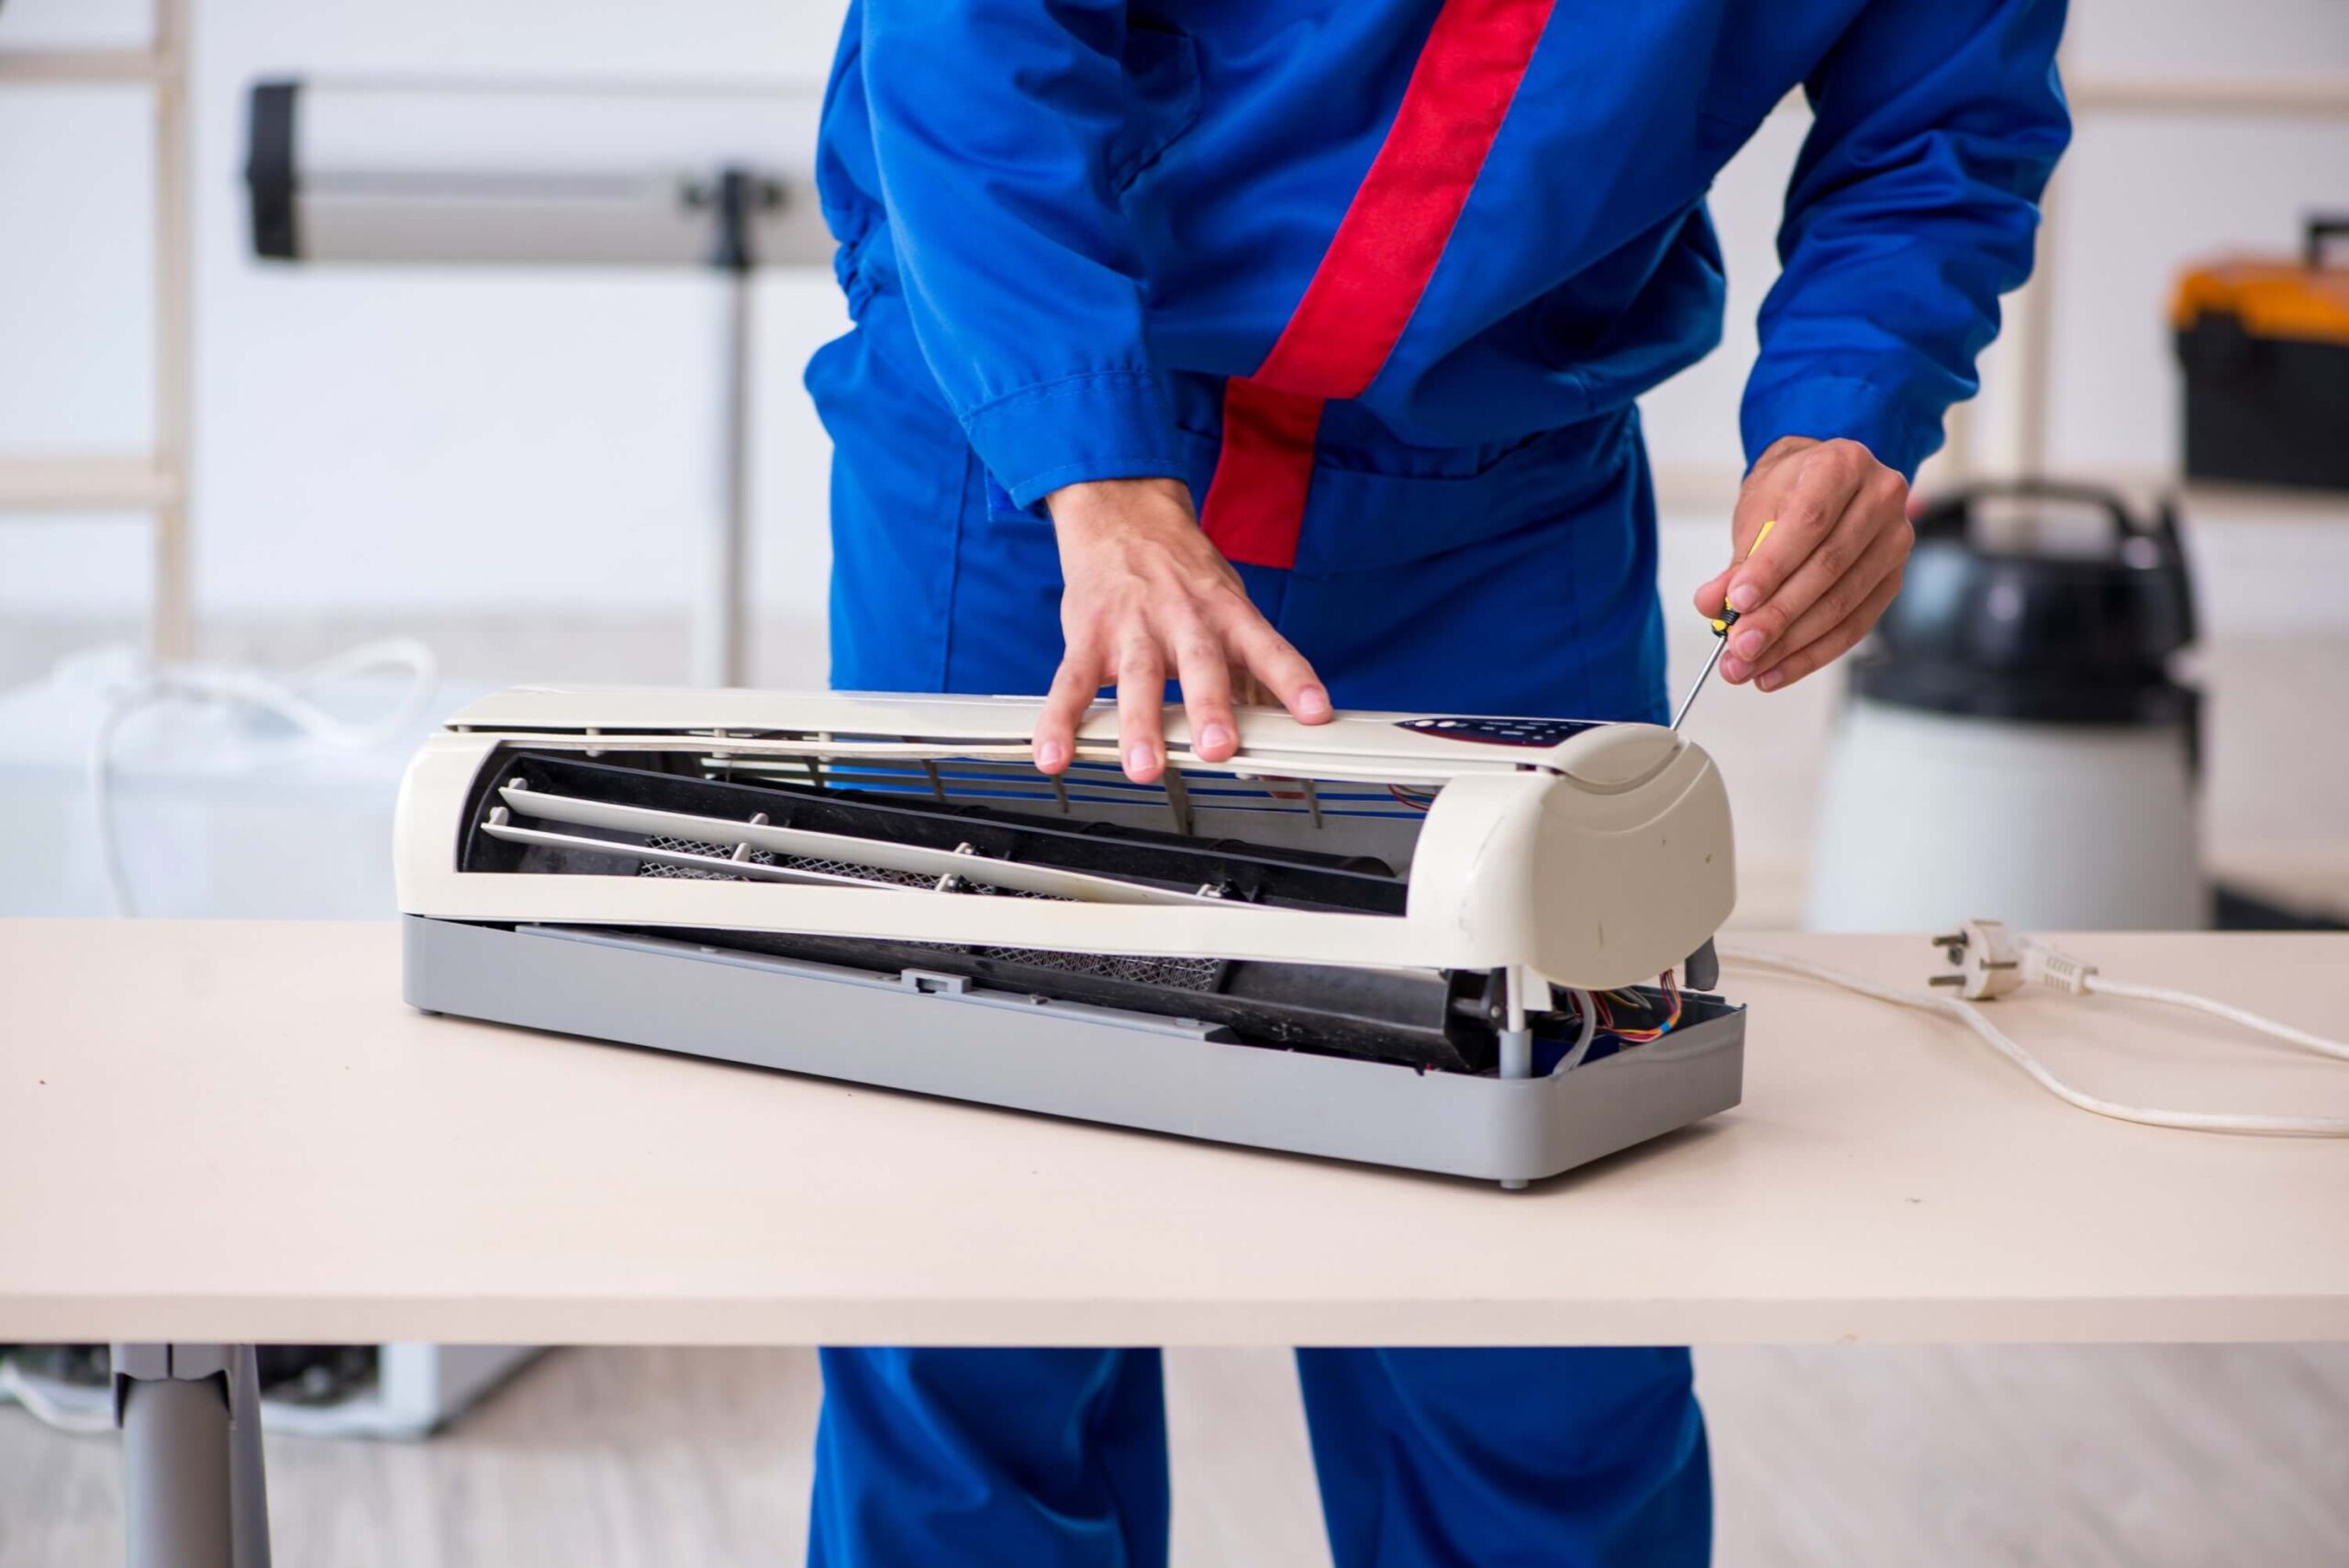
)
(1606, 1001)
(1595, 1011)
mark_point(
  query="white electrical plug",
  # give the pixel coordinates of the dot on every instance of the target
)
(1983, 961)
(1988, 960)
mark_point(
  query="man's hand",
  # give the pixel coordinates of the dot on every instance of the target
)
(1832, 566)
(1145, 596)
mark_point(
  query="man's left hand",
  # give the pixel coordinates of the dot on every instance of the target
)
(1829, 568)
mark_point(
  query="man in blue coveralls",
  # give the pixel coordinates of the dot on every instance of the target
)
(1377, 282)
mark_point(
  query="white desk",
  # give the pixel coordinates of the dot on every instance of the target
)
(236, 1132)
(220, 1133)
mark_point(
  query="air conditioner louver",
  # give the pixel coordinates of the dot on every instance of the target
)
(936, 828)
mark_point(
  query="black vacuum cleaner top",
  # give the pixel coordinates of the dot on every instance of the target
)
(2075, 632)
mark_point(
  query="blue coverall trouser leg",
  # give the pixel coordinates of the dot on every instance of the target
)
(1427, 1458)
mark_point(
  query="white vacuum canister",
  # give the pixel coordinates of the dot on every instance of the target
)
(2014, 745)
(1927, 819)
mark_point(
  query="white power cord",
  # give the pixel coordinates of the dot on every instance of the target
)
(2101, 986)
(287, 696)
(1991, 962)
(82, 1412)
(86, 1411)
(1581, 1047)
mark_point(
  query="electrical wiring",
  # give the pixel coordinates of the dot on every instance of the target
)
(1598, 1017)
(288, 697)
(1588, 1005)
(1671, 988)
(1975, 1018)
(81, 1410)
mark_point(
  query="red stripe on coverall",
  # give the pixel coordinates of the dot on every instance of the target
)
(1371, 278)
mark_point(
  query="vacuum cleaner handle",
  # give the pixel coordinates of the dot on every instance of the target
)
(2173, 547)
(1952, 516)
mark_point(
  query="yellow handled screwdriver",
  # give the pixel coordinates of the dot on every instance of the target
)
(1720, 635)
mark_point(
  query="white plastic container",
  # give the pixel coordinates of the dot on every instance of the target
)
(1928, 819)
(217, 810)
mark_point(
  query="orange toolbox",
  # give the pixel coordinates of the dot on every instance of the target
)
(2265, 341)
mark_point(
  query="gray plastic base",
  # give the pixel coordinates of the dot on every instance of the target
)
(942, 1035)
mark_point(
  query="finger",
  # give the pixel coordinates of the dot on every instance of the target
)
(1754, 514)
(1207, 697)
(1835, 558)
(1141, 702)
(1839, 641)
(1807, 510)
(1283, 669)
(1712, 594)
(1073, 685)
(1879, 558)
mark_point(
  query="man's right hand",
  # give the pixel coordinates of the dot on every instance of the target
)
(1145, 596)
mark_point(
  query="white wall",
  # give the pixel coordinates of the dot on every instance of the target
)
(375, 442)
(387, 440)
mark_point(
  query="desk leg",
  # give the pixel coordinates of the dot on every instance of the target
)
(193, 1495)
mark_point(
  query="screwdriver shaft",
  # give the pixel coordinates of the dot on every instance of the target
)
(1703, 676)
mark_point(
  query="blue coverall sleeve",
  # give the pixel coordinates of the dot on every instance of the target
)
(1912, 208)
(992, 129)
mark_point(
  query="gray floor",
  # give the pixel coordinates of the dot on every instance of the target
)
(2148, 1457)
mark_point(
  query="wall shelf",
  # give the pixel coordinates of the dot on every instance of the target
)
(132, 482)
(71, 66)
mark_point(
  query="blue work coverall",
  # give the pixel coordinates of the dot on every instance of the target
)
(1070, 231)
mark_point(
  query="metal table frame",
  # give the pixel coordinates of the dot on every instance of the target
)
(193, 1491)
